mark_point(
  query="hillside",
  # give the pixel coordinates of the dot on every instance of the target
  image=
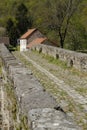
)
(41, 12)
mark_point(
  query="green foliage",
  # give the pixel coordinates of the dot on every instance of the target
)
(12, 31)
(15, 28)
(23, 21)
(48, 16)
(77, 35)
(12, 48)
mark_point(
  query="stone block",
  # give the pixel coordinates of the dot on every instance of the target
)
(50, 119)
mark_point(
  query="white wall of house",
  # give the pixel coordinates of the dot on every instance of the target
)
(23, 44)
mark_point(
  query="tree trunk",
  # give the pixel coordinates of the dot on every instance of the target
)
(61, 42)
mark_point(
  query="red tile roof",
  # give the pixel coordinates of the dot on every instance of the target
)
(28, 33)
(36, 41)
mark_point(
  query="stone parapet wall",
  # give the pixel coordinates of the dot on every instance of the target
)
(35, 102)
(77, 60)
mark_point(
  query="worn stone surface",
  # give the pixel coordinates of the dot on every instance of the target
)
(29, 91)
(50, 119)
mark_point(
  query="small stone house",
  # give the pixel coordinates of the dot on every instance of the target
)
(28, 37)
(33, 37)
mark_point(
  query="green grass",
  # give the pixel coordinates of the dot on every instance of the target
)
(82, 90)
(52, 60)
(56, 61)
(0, 67)
(18, 48)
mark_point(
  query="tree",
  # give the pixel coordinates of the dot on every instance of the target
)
(11, 31)
(76, 36)
(59, 15)
(9, 25)
(23, 21)
(17, 27)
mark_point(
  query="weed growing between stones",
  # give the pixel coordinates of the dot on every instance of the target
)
(23, 125)
(82, 91)
(0, 67)
(12, 100)
(14, 110)
(24, 122)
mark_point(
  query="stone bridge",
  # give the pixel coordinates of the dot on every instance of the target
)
(37, 104)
